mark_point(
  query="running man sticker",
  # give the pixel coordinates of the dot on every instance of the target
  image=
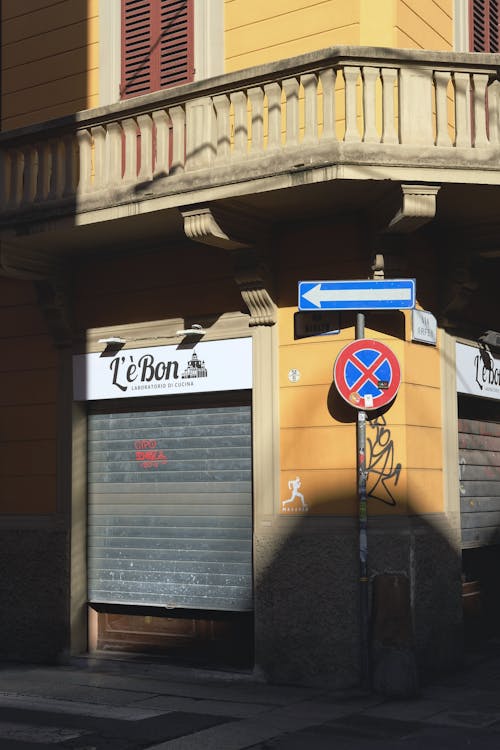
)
(295, 503)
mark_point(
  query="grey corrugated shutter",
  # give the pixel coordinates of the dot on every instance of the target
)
(479, 452)
(170, 508)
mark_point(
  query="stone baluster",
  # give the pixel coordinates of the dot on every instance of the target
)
(99, 137)
(479, 84)
(84, 141)
(5, 178)
(162, 125)
(291, 89)
(494, 112)
(256, 98)
(223, 127)
(441, 80)
(462, 110)
(114, 147)
(389, 78)
(43, 172)
(16, 178)
(57, 172)
(273, 93)
(29, 174)
(309, 83)
(145, 124)
(178, 118)
(240, 112)
(70, 165)
(351, 76)
(129, 127)
(369, 78)
(201, 145)
(327, 79)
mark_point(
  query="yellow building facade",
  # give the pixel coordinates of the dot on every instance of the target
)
(309, 141)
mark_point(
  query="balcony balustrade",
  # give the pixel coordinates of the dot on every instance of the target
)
(346, 104)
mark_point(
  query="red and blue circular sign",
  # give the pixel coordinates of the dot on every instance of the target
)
(367, 374)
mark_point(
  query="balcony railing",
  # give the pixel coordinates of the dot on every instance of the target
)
(351, 101)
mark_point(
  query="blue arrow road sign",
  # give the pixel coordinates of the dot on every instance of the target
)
(384, 294)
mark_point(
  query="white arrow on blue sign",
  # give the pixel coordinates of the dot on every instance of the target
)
(363, 294)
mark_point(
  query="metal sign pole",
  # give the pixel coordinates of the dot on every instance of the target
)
(363, 535)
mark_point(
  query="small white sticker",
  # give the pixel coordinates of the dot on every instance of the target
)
(368, 400)
(295, 503)
(293, 376)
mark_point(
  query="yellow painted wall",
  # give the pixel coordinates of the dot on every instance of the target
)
(28, 386)
(50, 64)
(49, 59)
(261, 31)
(424, 24)
(318, 429)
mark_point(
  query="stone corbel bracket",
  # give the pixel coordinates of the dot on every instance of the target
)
(51, 285)
(235, 231)
(17, 263)
(418, 207)
(252, 278)
(218, 229)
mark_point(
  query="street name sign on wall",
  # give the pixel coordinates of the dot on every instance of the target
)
(224, 365)
(367, 374)
(364, 294)
(315, 323)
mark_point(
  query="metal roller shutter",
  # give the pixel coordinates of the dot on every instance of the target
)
(170, 508)
(479, 452)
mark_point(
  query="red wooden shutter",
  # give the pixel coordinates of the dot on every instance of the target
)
(157, 45)
(483, 23)
(176, 42)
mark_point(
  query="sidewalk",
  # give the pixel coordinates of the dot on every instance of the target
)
(130, 706)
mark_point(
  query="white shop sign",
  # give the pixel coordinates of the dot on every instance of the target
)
(478, 372)
(164, 370)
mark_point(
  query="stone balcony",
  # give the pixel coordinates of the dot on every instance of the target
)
(338, 117)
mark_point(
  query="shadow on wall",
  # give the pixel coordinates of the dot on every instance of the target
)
(46, 54)
(307, 578)
(44, 76)
(308, 600)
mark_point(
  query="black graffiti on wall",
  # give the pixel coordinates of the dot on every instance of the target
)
(383, 473)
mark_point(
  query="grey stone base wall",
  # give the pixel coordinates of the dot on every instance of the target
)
(34, 611)
(307, 600)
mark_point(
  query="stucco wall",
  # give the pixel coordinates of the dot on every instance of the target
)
(28, 388)
(49, 59)
(261, 32)
(318, 433)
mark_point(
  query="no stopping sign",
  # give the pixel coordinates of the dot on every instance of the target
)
(367, 374)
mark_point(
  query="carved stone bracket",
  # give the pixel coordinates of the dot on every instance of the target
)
(51, 284)
(252, 278)
(54, 299)
(18, 263)
(229, 228)
(418, 207)
(459, 286)
(219, 229)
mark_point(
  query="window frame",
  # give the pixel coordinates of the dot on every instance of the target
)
(208, 45)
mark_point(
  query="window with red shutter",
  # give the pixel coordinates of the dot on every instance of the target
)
(157, 45)
(483, 25)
